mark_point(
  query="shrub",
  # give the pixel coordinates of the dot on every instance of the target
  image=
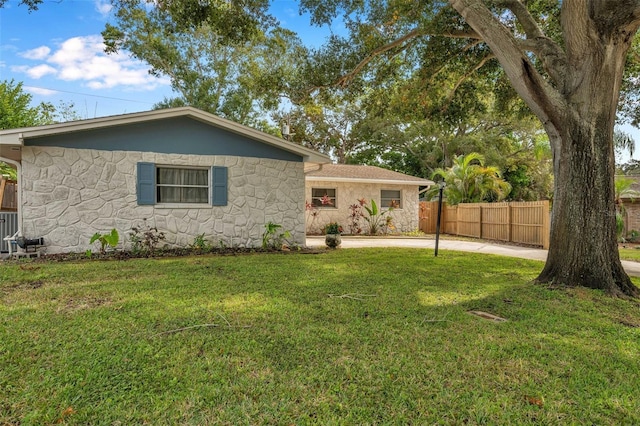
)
(145, 238)
(110, 239)
(333, 228)
(273, 238)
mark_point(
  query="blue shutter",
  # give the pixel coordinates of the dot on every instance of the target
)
(219, 178)
(146, 185)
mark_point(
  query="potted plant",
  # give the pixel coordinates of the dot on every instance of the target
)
(333, 233)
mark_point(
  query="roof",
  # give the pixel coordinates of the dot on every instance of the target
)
(635, 186)
(365, 174)
(16, 137)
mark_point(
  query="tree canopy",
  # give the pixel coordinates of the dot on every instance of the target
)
(16, 110)
(227, 58)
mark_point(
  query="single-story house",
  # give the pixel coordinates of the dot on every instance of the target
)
(331, 190)
(632, 206)
(184, 171)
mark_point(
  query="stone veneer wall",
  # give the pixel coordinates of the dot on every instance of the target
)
(632, 219)
(70, 194)
(347, 193)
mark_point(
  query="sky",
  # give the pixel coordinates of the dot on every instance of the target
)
(58, 55)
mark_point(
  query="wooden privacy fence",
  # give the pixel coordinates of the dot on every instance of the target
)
(8, 195)
(518, 222)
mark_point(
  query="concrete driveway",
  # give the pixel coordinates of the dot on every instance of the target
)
(632, 268)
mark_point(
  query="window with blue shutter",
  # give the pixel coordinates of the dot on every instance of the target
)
(171, 185)
(219, 178)
(146, 187)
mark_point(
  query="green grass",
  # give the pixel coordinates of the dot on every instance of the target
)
(86, 343)
(632, 254)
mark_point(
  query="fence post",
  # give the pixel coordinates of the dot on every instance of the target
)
(3, 184)
(546, 225)
(509, 222)
(442, 185)
(481, 218)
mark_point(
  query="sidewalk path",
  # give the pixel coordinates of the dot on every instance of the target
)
(632, 268)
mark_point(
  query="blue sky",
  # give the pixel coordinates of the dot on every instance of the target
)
(57, 53)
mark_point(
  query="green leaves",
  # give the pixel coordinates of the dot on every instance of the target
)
(110, 239)
(227, 58)
(470, 181)
(15, 109)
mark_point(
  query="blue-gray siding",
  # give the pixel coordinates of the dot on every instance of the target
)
(180, 135)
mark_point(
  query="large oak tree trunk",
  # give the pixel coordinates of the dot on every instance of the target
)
(583, 249)
(583, 243)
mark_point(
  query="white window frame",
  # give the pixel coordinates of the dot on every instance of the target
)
(334, 199)
(206, 203)
(389, 199)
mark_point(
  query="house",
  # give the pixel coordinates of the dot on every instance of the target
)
(183, 170)
(630, 201)
(332, 188)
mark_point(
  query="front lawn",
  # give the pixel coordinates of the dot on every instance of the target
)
(375, 336)
(631, 252)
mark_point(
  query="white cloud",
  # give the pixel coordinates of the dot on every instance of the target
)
(8, 47)
(19, 68)
(82, 59)
(291, 13)
(40, 91)
(40, 71)
(38, 53)
(103, 7)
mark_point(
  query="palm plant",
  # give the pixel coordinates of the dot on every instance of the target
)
(470, 181)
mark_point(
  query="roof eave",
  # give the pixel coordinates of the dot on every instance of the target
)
(10, 137)
(371, 180)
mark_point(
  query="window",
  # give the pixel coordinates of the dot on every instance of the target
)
(323, 197)
(174, 185)
(161, 184)
(391, 198)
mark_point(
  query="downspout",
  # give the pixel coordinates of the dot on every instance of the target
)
(314, 170)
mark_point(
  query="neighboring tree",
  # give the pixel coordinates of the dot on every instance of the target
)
(623, 143)
(468, 180)
(326, 125)
(564, 59)
(632, 167)
(16, 110)
(529, 169)
(232, 66)
(8, 171)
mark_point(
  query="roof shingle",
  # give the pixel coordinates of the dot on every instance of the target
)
(373, 173)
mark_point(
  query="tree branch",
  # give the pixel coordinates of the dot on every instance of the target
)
(354, 296)
(551, 55)
(345, 79)
(461, 34)
(530, 26)
(464, 77)
(543, 99)
(619, 14)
